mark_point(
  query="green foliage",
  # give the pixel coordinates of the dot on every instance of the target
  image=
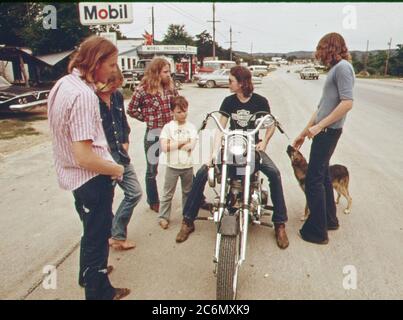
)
(204, 44)
(177, 35)
(396, 62)
(21, 24)
(377, 61)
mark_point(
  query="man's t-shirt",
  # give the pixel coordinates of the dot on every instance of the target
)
(241, 112)
(179, 159)
(338, 86)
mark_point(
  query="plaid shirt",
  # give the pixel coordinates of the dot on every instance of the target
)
(152, 109)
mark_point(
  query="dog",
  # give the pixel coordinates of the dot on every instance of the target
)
(339, 176)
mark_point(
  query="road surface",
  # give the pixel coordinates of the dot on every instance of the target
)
(39, 226)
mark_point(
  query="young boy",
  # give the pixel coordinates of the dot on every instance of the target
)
(178, 139)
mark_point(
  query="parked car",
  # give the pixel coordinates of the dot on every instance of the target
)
(178, 79)
(258, 71)
(219, 78)
(309, 73)
(16, 98)
(130, 79)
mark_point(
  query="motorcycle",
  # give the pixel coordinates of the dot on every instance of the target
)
(242, 199)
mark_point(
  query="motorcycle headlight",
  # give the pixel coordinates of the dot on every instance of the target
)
(237, 145)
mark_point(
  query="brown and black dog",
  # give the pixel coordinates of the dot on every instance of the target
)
(338, 173)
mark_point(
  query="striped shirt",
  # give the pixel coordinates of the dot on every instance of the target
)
(73, 114)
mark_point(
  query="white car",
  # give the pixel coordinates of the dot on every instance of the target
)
(309, 73)
(219, 78)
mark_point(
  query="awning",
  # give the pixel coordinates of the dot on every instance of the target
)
(12, 53)
(54, 58)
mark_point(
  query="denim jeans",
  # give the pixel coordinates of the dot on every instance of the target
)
(93, 201)
(171, 179)
(152, 150)
(270, 170)
(267, 166)
(132, 195)
(318, 186)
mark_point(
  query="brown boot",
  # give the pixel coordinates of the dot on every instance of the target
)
(281, 235)
(186, 229)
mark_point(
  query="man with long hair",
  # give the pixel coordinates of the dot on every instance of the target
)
(117, 132)
(151, 104)
(240, 106)
(82, 160)
(325, 128)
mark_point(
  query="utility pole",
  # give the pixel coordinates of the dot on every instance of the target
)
(152, 22)
(230, 42)
(366, 57)
(387, 57)
(214, 22)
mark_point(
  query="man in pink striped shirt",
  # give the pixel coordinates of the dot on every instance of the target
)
(82, 160)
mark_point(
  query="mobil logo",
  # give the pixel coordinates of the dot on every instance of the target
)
(92, 13)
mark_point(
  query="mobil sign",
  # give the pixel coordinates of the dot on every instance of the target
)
(92, 13)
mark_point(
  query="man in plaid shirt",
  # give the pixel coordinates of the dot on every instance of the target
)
(151, 104)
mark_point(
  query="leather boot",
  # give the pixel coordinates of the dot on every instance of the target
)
(186, 229)
(281, 235)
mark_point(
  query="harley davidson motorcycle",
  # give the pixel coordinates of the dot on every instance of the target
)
(242, 200)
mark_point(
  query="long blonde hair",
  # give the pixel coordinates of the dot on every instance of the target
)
(91, 54)
(152, 80)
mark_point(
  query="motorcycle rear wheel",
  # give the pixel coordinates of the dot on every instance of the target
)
(227, 269)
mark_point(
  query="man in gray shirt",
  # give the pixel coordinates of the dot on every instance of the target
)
(325, 128)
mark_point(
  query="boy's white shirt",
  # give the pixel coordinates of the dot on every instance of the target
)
(178, 159)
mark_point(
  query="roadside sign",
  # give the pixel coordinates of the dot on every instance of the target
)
(93, 13)
(168, 49)
(111, 36)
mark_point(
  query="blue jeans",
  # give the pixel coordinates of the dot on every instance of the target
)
(93, 201)
(270, 170)
(267, 166)
(152, 150)
(132, 195)
(318, 187)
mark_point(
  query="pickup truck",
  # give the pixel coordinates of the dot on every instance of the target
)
(133, 77)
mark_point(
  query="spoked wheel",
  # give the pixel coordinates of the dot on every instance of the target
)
(227, 269)
(178, 84)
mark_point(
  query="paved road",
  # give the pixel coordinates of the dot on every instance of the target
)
(39, 226)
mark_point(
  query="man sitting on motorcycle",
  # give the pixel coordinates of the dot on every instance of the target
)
(240, 106)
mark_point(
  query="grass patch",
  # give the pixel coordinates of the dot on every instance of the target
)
(10, 129)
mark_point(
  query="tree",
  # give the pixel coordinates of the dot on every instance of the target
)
(67, 35)
(396, 62)
(15, 19)
(21, 24)
(204, 44)
(176, 34)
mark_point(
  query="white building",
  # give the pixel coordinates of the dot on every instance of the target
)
(128, 56)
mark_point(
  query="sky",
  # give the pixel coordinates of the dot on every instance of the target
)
(276, 27)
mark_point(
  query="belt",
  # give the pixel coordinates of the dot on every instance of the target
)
(330, 130)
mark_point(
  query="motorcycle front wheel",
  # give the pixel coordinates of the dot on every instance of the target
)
(227, 269)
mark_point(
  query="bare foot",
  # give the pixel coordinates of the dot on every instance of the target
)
(122, 244)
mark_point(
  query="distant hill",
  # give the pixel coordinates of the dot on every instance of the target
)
(300, 54)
